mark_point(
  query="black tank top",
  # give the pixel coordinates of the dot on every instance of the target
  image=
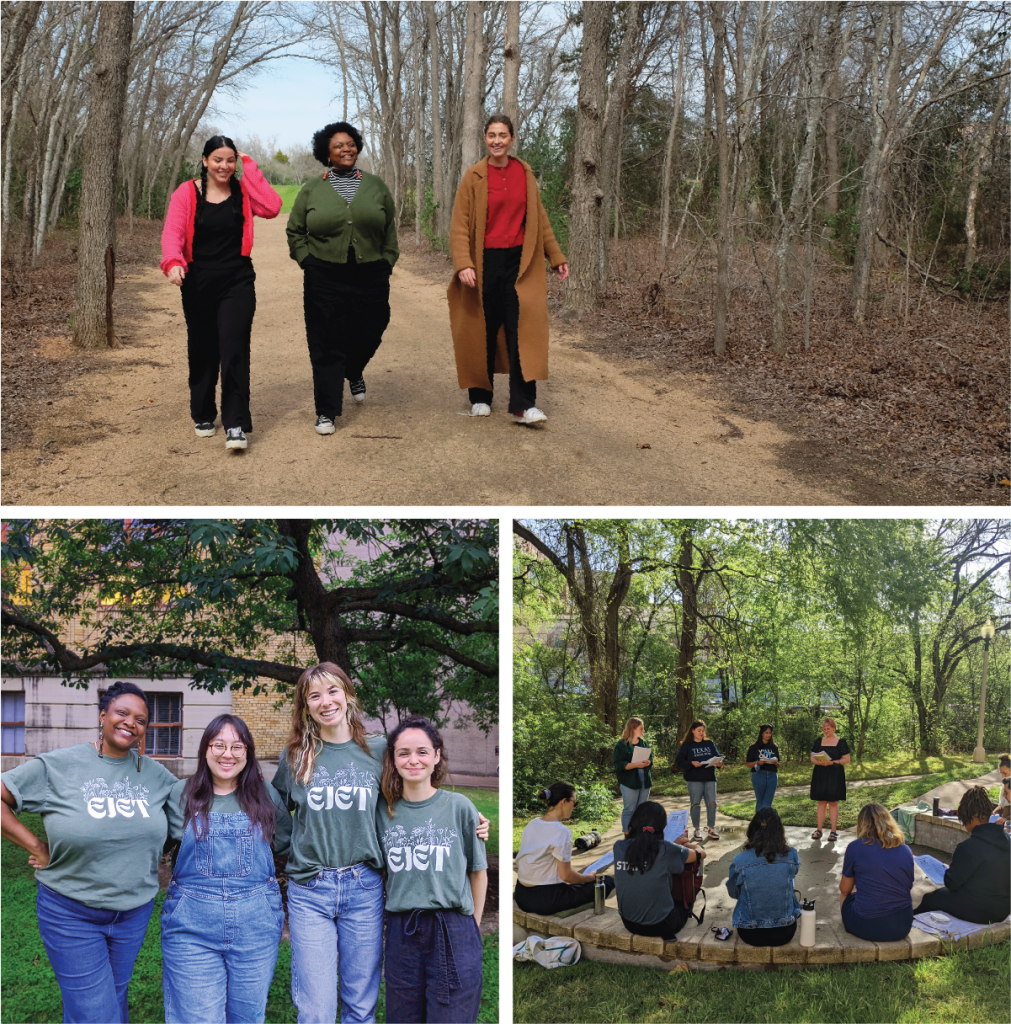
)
(217, 235)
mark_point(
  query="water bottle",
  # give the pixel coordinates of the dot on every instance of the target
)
(937, 807)
(599, 895)
(807, 922)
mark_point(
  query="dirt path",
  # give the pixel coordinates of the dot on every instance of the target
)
(125, 437)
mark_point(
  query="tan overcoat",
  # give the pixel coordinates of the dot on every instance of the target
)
(466, 315)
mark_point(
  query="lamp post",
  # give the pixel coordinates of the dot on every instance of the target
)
(986, 631)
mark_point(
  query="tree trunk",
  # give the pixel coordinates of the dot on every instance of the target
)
(471, 142)
(688, 641)
(668, 156)
(511, 65)
(707, 78)
(96, 256)
(587, 195)
(438, 181)
(721, 305)
(977, 169)
(26, 14)
(419, 134)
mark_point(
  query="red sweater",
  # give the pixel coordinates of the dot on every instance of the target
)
(258, 199)
(507, 205)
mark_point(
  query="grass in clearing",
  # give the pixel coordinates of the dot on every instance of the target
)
(486, 801)
(799, 809)
(798, 773)
(28, 989)
(578, 826)
(287, 194)
(968, 985)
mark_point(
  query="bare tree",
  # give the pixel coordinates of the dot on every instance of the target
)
(473, 70)
(511, 65)
(724, 240)
(668, 156)
(20, 20)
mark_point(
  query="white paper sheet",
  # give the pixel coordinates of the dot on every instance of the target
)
(640, 754)
(601, 862)
(677, 825)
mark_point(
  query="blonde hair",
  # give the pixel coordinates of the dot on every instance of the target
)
(630, 726)
(874, 822)
(829, 721)
(304, 742)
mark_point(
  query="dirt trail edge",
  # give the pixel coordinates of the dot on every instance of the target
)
(126, 438)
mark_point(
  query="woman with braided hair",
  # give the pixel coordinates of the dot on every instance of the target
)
(206, 245)
(977, 885)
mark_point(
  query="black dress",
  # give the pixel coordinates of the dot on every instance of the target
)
(828, 782)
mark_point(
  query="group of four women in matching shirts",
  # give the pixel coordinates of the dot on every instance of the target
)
(342, 806)
(342, 232)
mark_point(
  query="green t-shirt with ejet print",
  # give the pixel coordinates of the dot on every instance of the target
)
(228, 803)
(105, 822)
(430, 846)
(334, 824)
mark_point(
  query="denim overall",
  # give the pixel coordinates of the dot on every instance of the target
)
(220, 924)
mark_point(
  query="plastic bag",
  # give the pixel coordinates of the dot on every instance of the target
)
(555, 951)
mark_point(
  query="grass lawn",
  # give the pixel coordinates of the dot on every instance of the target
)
(578, 825)
(28, 989)
(486, 801)
(969, 985)
(800, 809)
(287, 194)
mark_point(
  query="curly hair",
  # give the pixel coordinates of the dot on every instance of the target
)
(766, 835)
(392, 784)
(874, 822)
(321, 140)
(975, 804)
(304, 741)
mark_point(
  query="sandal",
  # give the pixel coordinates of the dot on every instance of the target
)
(833, 836)
(816, 834)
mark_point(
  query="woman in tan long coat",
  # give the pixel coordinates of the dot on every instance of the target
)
(498, 298)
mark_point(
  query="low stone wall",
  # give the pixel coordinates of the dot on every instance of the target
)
(939, 833)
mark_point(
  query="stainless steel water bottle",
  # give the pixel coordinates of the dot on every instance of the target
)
(599, 895)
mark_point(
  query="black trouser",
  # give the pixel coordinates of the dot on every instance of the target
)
(552, 899)
(219, 303)
(347, 308)
(665, 929)
(945, 900)
(778, 936)
(502, 306)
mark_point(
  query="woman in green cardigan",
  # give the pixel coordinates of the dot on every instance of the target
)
(342, 232)
(633, 781)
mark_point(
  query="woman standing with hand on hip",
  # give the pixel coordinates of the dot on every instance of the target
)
(634, 779)
(498, 298)
(206, 245)
(103, 809)
(829, 755)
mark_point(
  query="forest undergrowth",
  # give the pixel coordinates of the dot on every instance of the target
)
(922, 393)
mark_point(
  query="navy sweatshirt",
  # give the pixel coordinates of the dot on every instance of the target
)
(692, 751)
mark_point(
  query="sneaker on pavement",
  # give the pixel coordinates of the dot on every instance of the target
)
(530, 417)
(697, 838)
(713, 834)
(235, 438)
(358, 389)
(205, 429)
(325, 425)
(480, 409)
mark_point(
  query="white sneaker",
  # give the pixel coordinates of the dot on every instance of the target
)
(325, 425)
(235, 437)
(205, 429)
(530, 417)
(480, 409)
(697, 838)
(358, 389)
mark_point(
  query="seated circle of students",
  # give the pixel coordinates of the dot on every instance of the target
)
(647, 873)
(876, 900)
(761, 879)
(977, 884)
(546, 881)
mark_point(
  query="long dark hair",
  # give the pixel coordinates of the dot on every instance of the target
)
(691, 728)
(766, 835)
(761, 729)
(557, 792)
(645, 833)
(213, 143)
(198, 796)
(392, 784)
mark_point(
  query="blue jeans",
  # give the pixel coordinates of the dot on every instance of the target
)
(697, 792)
(92, 953)
(433, 967)
(889, 927)
(632, 798)
(764, 785)
(336, 918)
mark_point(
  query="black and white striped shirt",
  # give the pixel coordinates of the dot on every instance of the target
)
(346, 184)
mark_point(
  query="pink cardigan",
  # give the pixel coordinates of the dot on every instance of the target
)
(258, 199)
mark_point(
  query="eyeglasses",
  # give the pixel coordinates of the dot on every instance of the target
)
(218, 748)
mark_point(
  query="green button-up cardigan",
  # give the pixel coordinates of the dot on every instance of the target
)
(629, 777)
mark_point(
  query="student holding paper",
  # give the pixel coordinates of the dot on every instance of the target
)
(763, 760)
(879, 864)
(698, 759)
(977, 884)
(632, 768)
(828, 782)
(545, 880)
(646, 869)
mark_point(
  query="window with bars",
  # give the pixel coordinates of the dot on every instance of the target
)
(164, 736)
(13, 728)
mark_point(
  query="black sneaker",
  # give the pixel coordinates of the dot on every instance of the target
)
(205, 429)
(235, 438)
(325, 425)
(358, 389)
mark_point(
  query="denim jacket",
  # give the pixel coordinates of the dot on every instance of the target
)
(764, 891)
